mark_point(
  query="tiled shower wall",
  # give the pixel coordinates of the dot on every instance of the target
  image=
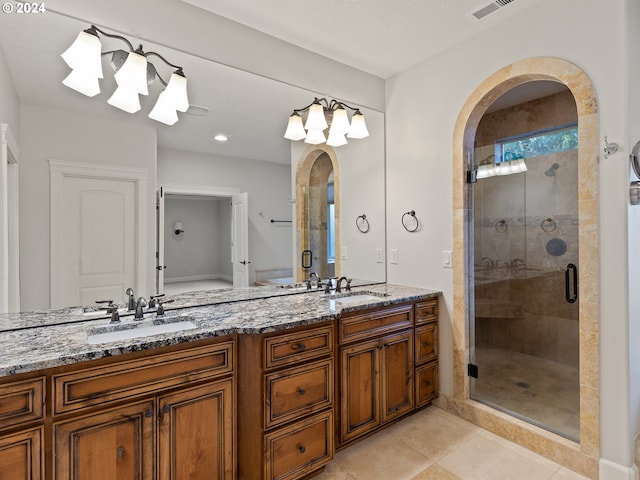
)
(518, 219)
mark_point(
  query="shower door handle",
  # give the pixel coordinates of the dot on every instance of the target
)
(571, 298)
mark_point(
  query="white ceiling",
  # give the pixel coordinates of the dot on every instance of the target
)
(382, 37)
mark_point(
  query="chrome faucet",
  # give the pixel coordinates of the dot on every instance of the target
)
(339, 284)
(140, 304)
(132, 300)
(318, 280)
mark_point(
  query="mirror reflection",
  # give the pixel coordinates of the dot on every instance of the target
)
(72, 153)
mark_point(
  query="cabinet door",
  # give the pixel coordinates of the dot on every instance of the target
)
(360, 402)
(115, 444)
(21, 456)
(396, 375)
(196, 433)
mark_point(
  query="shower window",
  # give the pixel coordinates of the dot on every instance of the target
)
(536, 144)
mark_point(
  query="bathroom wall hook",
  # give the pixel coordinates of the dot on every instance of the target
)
(609, 148)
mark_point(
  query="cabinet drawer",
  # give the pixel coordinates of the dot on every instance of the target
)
(296, 450)
(125, 380)
(21, 402)
(427, 311)
(359, 327)
(426, 343)
(426, 383)
(22, 456)
(297, 392)
(296, 347)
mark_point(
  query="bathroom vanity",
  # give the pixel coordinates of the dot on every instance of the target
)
(264, 387)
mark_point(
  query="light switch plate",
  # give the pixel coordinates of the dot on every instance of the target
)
(343, 253)
(446, 259)
(394, 256)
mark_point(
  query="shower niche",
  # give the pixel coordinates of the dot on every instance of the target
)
(525, 328)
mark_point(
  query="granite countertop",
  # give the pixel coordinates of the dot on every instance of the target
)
(58, 343)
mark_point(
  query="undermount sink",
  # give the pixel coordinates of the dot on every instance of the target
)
(103, 313)
(126, 331)
(354, 297)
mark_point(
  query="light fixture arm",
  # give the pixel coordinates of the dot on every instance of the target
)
(93, 30)
(326, 105)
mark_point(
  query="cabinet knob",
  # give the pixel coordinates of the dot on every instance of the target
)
(427, 382)
(301, 449)
(427, 344)
(120, 452)
(298, 346)
(166, 409)
(302, 391)
(148, 413)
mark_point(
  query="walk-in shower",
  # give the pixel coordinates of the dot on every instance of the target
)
(525, 330)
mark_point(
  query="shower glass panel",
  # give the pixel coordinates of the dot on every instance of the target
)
(525, 266)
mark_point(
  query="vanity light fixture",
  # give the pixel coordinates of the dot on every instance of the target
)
(488, 168)
(133, 75)
(321, 114)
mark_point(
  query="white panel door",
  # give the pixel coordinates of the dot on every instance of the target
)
(98, 239)
(239, 239)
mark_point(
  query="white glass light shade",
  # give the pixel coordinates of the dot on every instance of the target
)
(125, 99)
(133, 74)
(336, 139)
(503, 168)
(82, 82)
(315, 137)
(486, 171)
(519, 166)
(340, 122)
(358, 127)
(315, 119)
(295, 130)
(164, 110)
(85, 54)
(176, 92)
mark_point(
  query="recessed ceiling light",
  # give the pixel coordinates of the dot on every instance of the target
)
(220, 138)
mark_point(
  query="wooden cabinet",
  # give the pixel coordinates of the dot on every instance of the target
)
(21, 455)
(285, 403)
(426, 359)
(376, 383)
(388, 365)
(168, 433)
(22, 406)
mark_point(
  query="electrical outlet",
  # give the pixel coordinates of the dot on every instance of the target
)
(394, 256)
(446, 259)
(343, 253)
(379, 256)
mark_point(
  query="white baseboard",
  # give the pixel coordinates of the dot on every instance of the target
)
(197, 278)
(613, 471)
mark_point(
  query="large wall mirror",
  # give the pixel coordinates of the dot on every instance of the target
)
(81, 141)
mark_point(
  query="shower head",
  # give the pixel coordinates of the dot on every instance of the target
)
(552, 170)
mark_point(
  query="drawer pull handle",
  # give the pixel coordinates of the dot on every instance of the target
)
(298, 346)
(301, 449)
(120, 452)
(302, 391)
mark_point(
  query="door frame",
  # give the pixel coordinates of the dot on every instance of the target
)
(174, 189)
(585, 457)
(9, 222)
(60, 169)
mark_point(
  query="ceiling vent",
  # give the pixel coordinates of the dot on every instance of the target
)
(488, 8)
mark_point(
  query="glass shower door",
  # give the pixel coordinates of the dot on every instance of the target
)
(525, 330)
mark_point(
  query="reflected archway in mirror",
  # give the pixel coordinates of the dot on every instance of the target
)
(318, 194)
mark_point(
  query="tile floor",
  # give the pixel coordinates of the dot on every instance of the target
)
(436, 445)
(180, 287)
(543, 391)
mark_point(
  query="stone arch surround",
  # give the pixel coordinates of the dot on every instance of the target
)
(303, 178)
(582, 457)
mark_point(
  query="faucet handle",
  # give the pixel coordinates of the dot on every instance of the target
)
(348, 287)
(153, 299)
(160, 310)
